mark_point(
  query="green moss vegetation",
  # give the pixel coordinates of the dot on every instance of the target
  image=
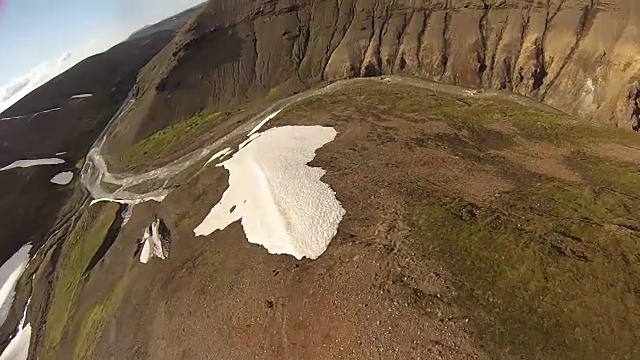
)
(551, 271)
(94, 320)
(75, 256)
(170, 139)
(409, 105)
(471, 114)
(273, 93)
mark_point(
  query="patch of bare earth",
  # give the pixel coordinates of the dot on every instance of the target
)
(438, 127)
(473, 182)
(617, 152)
(504, 127)
(542, 158)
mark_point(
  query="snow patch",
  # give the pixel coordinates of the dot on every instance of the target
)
(588, 105)
(261, 124)
(47, 111)
(23, 320)
(10, 273)
(12, 117)
(126, 214)
(219, 155)
(157, 198)
(247, 141)
(31, 116)
(32, 162)
(63, 178)
(282, 204)
(152, 243)
(81, 96)
(18, 348)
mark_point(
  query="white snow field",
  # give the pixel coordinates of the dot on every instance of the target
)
(152, 243)
(81, 96)
(63, 178)
(283, 205)
(18, 348)
(32, 162)
(10, 273)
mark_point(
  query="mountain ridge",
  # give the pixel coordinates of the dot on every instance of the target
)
(574, 55)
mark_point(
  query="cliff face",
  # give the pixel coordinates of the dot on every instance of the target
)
(581, 56)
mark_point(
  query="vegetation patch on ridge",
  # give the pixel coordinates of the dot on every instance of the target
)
(169, 140)
(75, 256)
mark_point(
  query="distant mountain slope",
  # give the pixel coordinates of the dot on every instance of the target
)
(576, 55)
(173, 23)
(30, 202)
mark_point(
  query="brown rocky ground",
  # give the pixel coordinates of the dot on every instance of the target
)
(453, 246)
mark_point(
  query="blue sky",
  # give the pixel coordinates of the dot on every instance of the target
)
(35, 34)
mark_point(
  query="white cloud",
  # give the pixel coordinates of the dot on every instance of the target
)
(64, 58)
(21, 86)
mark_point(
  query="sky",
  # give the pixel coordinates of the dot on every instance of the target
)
(41, 38)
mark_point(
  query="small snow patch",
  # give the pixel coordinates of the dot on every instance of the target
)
(63, 178)
(12, 117)
(247, 141)
(46, 111)
(81, 96)
(23, 321)
(154, 242)
(10, 273)
(18, 348)
(32, 162)
(283, 205)
(126, 214)
(271, 116)
(219, 155)
(156, 198)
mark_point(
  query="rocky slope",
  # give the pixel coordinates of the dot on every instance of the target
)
(576, 55)
(471, 232)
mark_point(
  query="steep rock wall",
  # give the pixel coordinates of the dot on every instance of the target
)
(581, 56)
